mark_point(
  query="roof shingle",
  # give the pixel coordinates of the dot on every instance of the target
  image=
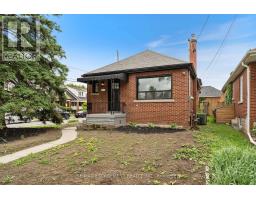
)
(144, 59)
(209, 91)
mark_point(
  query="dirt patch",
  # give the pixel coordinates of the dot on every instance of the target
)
(110, 157)
(29, 140)
(146, 130)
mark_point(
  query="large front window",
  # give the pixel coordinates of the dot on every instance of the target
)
(159, 87)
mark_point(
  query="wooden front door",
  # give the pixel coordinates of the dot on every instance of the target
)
(114, 95)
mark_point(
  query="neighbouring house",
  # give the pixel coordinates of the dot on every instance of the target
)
(75, 98)
(210, 98)
(145, 88)
(242, 82)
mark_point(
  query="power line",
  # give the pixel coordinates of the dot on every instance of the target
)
(203, 26)
(222, 43)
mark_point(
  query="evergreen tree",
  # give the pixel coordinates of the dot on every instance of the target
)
(37, 84)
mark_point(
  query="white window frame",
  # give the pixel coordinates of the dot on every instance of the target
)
(241, 84)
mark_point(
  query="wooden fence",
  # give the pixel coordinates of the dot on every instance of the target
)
(224, 114)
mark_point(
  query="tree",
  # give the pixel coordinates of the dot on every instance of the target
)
(84, 106)
(228, 94)
(38, 83)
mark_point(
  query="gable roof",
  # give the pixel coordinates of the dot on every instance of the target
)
(73, 92)
(209, 91)
(145, 59)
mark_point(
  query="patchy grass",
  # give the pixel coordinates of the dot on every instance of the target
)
(54, 126)
(70, 121)
(231, 157)
(44, 162)
(187, 152)
(149, 167)
(7, 179)
(20, 144)
(110, 157)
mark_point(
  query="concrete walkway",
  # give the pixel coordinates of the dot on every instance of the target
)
(68, 134)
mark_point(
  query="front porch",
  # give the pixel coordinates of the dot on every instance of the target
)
(114, 119)
(104, 103)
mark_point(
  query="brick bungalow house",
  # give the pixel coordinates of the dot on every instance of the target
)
(145, 88)
(243, 84)
(210, 98)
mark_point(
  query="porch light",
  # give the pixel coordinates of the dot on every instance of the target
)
(102, 84)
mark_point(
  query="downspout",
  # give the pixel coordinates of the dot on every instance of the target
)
(248, 104)
(189, 92)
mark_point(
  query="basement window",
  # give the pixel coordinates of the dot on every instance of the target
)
(150, 88)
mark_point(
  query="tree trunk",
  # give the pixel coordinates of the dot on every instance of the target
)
(2, 120)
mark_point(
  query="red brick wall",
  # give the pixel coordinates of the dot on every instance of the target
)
(253, 94)
(178, 111)
(158, 112)
(240, 108)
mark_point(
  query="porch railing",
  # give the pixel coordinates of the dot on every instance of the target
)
(105, 107)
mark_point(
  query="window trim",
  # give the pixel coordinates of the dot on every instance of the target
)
(153, 76)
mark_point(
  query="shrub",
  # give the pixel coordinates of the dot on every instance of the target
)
(151, 125)
(228, 94)
(57, 118)
(233, 166)
(132, 124)
(73, 121)
(84, 106)
(173, 125)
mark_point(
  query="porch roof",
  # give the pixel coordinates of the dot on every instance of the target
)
(121, 76)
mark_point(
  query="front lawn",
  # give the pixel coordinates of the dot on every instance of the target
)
(231, 157)
(29, 141)
(105, 157)
(116, 157)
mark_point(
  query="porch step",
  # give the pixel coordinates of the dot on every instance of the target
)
(115, 119)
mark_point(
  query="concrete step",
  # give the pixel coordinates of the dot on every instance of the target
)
(115, 119)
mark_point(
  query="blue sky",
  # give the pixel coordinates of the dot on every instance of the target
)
(91, 41)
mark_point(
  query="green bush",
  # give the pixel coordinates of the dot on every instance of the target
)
(57, 118)
(233, 165)
(228, 94)
(151, 125)
(73, 121)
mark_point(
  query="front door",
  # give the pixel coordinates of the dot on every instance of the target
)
(114, 95)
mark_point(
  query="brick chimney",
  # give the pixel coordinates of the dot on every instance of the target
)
(192, 50)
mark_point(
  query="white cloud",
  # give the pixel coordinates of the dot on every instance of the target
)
(158, 42)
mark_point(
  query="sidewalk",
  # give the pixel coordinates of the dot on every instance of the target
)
(68, 134)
